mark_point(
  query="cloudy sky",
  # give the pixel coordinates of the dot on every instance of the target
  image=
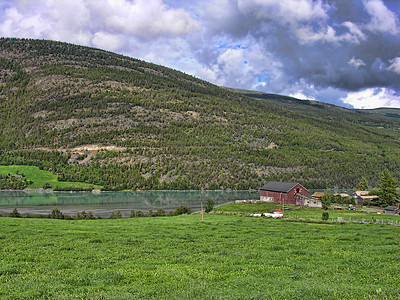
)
(345, 52)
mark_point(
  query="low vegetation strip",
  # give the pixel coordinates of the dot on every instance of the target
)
(309, 213)
(224, 257)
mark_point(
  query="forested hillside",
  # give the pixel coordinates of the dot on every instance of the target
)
(93, 116)
(381, 117)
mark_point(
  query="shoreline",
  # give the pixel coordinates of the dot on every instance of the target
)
(45, 191)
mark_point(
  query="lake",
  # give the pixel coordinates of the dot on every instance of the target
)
(102, 204)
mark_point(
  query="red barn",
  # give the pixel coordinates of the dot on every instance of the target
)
(283, 192)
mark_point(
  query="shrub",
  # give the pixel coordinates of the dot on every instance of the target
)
(139, 214)
(15, 214)
(325, 216)
(46, 186)
(209, 206)
(84, 216)
(182, 210)
(56, 214)
(160, 212)
(116, 215)
(171, 213)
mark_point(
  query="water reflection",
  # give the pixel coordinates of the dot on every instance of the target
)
(125, 200)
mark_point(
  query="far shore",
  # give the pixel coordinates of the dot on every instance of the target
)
(47, 191)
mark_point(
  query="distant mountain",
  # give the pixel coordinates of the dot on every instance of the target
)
(382, 117)
(385, 112)
(94, 116)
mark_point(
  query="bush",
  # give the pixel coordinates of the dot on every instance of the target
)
(171, 213)
(84, 216)
(116, 215)
(160, 212)
(73, 188)
(209, 206)
(56, 214)
(183, 210)
(139, 214)
(325, 216)
(15, 214)
(46, 186)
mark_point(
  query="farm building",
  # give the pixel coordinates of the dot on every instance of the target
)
(283, 192)
(313, 202)
(360, 196)
(366, 199)
(318, 195)
(391, 210)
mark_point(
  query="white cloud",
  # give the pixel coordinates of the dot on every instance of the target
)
(356, 62)
(382, 19)
(147, 18)
(83, 20)
(373, 98)
(16, 24)
(106, 41)
(300, 95)
(355, 34)
(395, 65)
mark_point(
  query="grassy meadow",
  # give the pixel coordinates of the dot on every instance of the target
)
(292, 211)
(41, 177)
(224, 257)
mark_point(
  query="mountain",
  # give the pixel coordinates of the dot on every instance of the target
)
(94, 116)
(381, 117)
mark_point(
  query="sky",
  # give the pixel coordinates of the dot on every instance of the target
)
(343, 52)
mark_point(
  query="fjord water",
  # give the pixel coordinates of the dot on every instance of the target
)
(106, 201)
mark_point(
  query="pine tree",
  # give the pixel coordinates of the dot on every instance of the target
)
(362, 185)
(387, 190)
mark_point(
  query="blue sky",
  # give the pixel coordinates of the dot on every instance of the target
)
(345, 52)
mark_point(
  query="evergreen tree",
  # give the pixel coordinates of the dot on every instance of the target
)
(326, 200)
(387, 190)
(362, 185)
(209, 206)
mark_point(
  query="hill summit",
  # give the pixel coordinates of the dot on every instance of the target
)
(94, 116)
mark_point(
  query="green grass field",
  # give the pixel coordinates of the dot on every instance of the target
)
(40, 177)
(225, 257)
(292, 211)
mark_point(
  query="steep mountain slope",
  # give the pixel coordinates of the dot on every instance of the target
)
(94, 116)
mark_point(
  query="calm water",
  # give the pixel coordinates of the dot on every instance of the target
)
(108, 201)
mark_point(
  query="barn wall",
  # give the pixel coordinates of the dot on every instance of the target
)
(287, 198)
(273, 196)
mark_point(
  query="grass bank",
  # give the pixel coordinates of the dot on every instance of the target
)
(225, 257)
(41, 177)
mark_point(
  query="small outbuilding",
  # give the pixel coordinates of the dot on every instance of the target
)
(313, 202)
(283, 192)
(391, 210)
(318, 195)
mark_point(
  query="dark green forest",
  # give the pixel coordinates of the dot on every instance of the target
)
(93, 116)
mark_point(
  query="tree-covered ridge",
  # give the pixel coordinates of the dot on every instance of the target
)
(381, 117)
(170, 130)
